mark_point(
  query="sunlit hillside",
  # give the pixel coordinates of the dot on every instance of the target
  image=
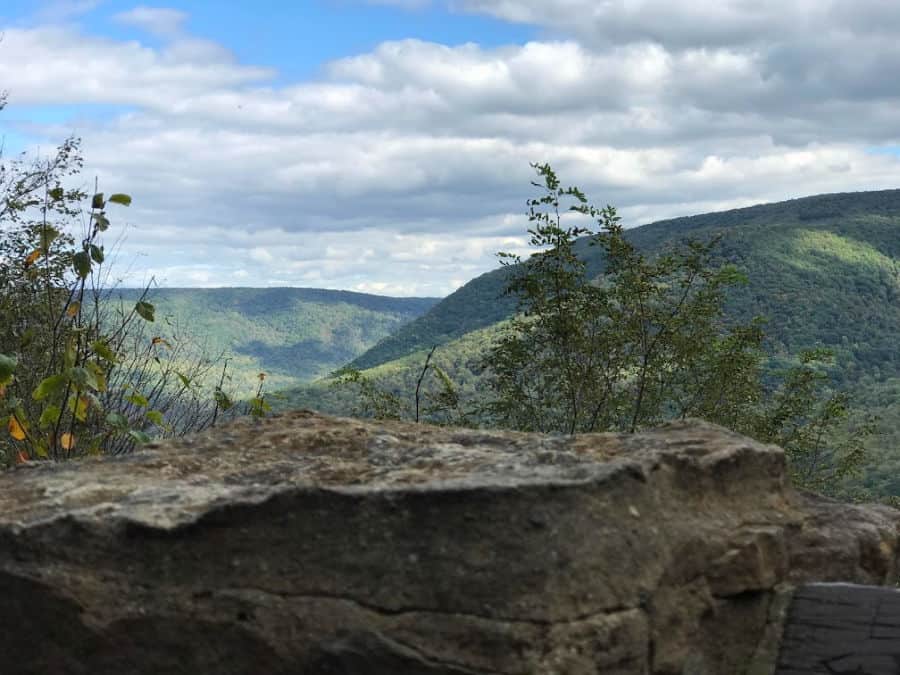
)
(823, 270)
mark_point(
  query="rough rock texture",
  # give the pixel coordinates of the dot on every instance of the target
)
(842, 629)
(312, 545)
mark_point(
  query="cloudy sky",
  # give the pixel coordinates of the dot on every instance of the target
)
(384, 146)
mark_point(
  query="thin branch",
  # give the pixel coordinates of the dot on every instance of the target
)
(422, 377)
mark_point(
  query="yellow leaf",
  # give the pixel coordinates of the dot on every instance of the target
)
(2, 390)
(15, 429)
(67, 441)
(80, 408)
(73, 309)
(161, 341)
(32, 257)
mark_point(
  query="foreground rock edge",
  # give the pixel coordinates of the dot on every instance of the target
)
(314, 544)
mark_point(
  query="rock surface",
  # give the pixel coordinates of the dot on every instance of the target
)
(311, 545)
(842, 629)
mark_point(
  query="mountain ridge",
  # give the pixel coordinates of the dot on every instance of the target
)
(452, 317)
(369, 300)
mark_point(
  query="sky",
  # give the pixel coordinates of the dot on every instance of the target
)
(385, 146)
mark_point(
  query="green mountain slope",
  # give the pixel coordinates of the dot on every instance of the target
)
(459, 358)
(292, 334)
(477, 304)
(824, 270)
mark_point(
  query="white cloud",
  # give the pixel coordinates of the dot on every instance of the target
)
(686, 23)
(407, 167)
(159, 21)
(60, 65)
(261, 255)
(64, 10)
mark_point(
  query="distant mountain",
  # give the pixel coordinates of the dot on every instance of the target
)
(292, 334)
(824, 270)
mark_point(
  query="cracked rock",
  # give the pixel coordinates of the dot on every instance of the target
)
(309, 545)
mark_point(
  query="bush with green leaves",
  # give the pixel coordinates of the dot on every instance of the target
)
(649, 341)
(823, 436)
(79, 373)
(646, 341)
(56, 361)
(436, 399)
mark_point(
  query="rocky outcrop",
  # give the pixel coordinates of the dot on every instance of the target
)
(305, 544)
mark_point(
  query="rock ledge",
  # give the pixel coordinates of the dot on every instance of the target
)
(305, 544)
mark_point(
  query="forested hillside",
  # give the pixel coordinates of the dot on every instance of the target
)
(291, 334)
(823, 270)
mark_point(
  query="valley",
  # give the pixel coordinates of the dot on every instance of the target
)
(293, 335)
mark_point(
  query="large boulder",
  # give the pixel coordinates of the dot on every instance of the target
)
(305, 544)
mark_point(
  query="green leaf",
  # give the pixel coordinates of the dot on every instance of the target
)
(97, 253)
(139, 436)
(81, 262)
(50, 386)
(156, 417)
(70, 355)
(102, 222)
(99, 374)
(138, 400)
(97, 201)
(83, 378)
(49, 417)
(7, 368)
(102, 349)
(48, 236)
(259, 406)
(78, 405)
(145, 310)
(27, 338)
(222, 399)
(185, 380)
(57, 193)
(117, 421)
(118, 198)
